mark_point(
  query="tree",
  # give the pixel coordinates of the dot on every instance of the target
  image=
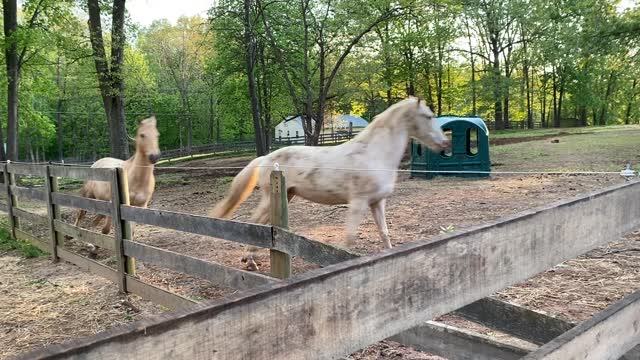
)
(110, 79)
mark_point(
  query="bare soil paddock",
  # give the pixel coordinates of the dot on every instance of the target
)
(43, 303)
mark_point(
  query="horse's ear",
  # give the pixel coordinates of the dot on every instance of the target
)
(419, 99)
(150, 120)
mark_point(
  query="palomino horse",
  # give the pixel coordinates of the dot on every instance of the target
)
(360, 172)
(139, 174)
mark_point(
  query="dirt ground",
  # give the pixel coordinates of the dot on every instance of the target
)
(43, 303)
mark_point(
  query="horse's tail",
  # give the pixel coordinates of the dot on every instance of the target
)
(241, 187)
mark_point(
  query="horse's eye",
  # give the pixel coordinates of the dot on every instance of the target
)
(142, 136)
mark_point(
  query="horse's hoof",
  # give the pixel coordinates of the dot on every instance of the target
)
(252, 266)
(67, 237)
(93, 256)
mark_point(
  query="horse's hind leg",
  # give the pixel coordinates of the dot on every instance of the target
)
(93, 249)
(354, 217)
(79, 215)
(377, 210)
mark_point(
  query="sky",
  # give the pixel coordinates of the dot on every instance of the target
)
(145, 11)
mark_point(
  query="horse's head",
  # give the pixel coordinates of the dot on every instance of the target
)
(147, 139)
(424, 127)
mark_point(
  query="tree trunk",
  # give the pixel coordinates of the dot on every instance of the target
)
(560, 98)
(474, 97)
(556, 115)
(212, 119)
(527, 88)
(10, 12)
(59, 111)
(439, 76)
(110, 78)
(249, 42)
(605, 104)
(497, 91)
(627, 117)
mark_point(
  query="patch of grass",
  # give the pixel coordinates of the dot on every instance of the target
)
(602, 150)
(7, 243)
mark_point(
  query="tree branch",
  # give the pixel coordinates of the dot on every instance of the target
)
(384, 17)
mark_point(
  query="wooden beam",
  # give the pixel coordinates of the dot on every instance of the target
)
(252, 234)
(457, 344)
(214, 272)
(79, 202)
(118, 226)
(530, 325)
(345, 307)
(311, 250)
(51, 185)
(87, 236)
(158, 295)
(279, 213)
(7, 182)
(88, 265)
(84, 173)
(30, 193)
(29, 216)
(608, 335)
(27, 169)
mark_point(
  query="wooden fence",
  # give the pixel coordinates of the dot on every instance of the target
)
(282, 243)
(338, 309)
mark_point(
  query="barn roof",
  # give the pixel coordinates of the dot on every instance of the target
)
(446, 119)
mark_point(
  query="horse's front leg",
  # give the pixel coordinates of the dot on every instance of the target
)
(356, 211)
(260, 216)
(377, 210)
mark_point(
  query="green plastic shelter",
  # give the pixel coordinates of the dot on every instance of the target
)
(469, 150)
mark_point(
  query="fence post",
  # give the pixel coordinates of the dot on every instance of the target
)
(14, 199)
(280, 262)
(122, 229)
(53, 212)
(7, 182)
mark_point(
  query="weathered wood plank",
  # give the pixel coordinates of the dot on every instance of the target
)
(10, 204)
(344, 307)
(88, 265)
(608, 335)
(158, 295)
(79, 202)
(526, 324)
(252, 234)
(30, 238)
(84, 173)
(51, 185)
(27, 169)
(3, 188)
(4, 207)
(280, 261)
(33, 194)
(29, 216)
(458, 344)
(214, 272)
(311, 250)
(116, 200)
(88, 236)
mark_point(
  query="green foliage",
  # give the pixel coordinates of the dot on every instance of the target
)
(191, 74)
(7, 243)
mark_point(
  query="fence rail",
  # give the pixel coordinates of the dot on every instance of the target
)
(352, 302)
(126, 249)
(344, 307)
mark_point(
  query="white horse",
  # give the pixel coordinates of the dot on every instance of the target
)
(360, 173)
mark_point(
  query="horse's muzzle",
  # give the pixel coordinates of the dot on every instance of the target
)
(153, 158)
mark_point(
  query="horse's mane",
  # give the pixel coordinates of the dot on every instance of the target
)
(391, 109)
